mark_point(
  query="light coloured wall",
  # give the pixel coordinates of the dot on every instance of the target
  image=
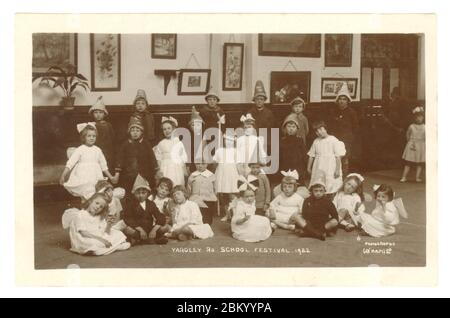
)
(137, 69)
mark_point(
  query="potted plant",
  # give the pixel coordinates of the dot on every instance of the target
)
(68, 80)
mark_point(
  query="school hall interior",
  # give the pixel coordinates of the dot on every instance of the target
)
(386, 75)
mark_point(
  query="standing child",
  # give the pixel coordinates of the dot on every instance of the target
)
(349, 201)
(145, 223)
(325, 159)
(187, 218)
(263, 116)
(211, 113)
(414, 154)
(86, 165)
(105, 132)
(136, 157)
(171, 154)
(226, 172)
(292, 148)
(246, 225)
(142, 112)
(113, 197)
(262, 191)
(383, 219)
(90, 233)
(319, 216)
(286, 207)
(297, 108)
(202, 184)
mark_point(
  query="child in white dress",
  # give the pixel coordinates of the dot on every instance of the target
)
(90, 232)
(187, 220)
(348, 200)
(383, 219)
(246, 225)
(86, 165)
(113, 197)
(170, 153)
(325, 158)
(414, 153)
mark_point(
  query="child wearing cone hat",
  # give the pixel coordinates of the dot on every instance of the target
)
(105, 131)
(263, 116)
(145, 223)
(142, 112)
(136, 156)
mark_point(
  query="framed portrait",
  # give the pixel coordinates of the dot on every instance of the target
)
(164, 46)
(233, 64)
(54, 49)
(331, 87)
(285, 86)
(105, 62)
(193, 81)
(297, 45)
(338, 50)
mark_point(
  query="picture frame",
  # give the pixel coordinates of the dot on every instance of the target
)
(295, 45)
(285, 86)
(331, 86)
(164, 46)
(54, 49)
(233, 66)
(105, 62)
(193, 81)
(338, 50)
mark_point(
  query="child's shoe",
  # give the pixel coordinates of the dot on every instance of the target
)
(418, 180)
(403, 180)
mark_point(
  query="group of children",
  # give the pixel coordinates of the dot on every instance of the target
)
(158, 193)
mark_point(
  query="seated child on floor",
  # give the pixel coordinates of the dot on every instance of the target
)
(162, 197)
(113, 197)
(319, 216)
(286, 205)
(348, 200)
(90, 232)
(145, 224)
(187, 218)
(246, 225)
(383, 219)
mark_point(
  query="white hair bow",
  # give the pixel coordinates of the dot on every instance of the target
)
(244, 118)
(221, 119)
(290, 173)
(418, 109)
(81, 126)
(246, 183)
(171, 119)
(357, 175)
(376, 186)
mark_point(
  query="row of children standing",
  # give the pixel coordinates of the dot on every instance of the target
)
(142, 164)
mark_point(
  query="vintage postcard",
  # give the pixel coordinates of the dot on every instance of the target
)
(226, 150)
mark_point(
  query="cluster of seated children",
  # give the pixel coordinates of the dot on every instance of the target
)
(154, 194)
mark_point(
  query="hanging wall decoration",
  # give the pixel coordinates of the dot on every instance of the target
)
(233, 65)
(298, 45)
(193, 81)
(105, 62)
(285, 86)
(338, 50)
(331, 86)
(164, 46)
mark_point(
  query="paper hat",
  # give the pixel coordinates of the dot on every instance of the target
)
(298, 100)
(140, 183)
(247, 118)
(82, 126)
(318, 180)
(170, 119)
(418, 110)
(98, 105)
(343, 91)
(140, 94)
(212, 93)
(291, 118)
(259, 90)
(135, 122)
(195, 116)
(357, 175)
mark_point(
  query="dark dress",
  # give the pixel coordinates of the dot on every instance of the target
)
(105, 141)
(293, 156)
(209, 116)
(345, 126)
(148, 120)
(317, 212)
(135, 216)
(264, 118)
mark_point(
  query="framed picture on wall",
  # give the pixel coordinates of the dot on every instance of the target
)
(54, 49)
(164, 46)
(299, 45)
(105, 62)
(285, 86)
(331, 87)
(233, 64)
(193, 81)
(338, 50)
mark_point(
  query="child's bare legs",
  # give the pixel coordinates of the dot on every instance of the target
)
(405, 173)
(345, 220)
(331, 227)
(418, 173)
(184, 234)
(307, 230)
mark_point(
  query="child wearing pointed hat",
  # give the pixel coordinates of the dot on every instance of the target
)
(142, 111)
(263, 116)
(297, 107)
(105, 132)
(211, 113)
(345, 124)
(145, 223)
(135, 156)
